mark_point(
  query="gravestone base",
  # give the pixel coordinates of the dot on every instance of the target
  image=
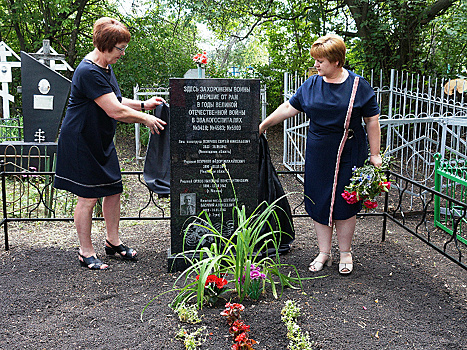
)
(176, 262)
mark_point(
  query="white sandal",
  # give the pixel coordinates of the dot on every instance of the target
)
(345, 268)
(317, 265)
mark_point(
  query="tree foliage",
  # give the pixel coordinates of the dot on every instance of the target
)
(384, 33)
(162, 46)
(67, 24)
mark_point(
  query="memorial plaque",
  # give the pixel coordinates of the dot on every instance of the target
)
(214, 125)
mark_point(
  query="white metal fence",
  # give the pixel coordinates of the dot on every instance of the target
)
(419, 118)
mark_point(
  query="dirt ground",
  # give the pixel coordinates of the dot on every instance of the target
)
(401, 295)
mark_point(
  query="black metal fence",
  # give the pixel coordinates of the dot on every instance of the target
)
(30, 196)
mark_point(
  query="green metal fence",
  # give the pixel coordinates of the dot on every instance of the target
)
(451, 180)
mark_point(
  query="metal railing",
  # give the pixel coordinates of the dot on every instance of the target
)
(140, 203)
(419, 118)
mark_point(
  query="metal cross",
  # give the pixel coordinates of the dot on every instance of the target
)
(5, 76)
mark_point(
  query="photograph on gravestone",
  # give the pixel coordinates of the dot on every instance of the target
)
(45, 93)
(214, 122)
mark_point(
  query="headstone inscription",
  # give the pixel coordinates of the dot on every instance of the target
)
(214, 127)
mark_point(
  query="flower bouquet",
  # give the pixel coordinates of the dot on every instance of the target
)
(201, 58)
(366, 183)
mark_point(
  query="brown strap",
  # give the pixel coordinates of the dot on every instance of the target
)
(341, 147)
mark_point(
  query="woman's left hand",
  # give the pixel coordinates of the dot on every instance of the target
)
(153, 102)
(376, 160)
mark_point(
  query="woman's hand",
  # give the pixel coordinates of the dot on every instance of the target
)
(281, 113)
(156, 125)
(153, 102)
(376, 160)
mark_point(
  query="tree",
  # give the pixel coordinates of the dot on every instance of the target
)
(385, 33)
(391, 32)
(163, 42)
(68, 25)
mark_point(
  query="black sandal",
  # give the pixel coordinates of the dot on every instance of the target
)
(92, 263)
(120, 249)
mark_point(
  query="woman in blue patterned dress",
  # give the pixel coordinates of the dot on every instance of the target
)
(335, 100)
(87, 163)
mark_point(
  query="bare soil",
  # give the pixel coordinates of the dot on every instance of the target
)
(401, 295)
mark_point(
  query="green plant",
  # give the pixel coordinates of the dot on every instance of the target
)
(238, 329)
(187, 313)
(290, 311)
(256, 281)
(192, 340)
(298, 339)
(232, 256)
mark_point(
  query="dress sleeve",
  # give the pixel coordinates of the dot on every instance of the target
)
(370, 106)
(296, 100)
(92, 83)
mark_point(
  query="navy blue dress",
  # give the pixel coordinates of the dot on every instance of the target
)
(87, 163)
(325, 104)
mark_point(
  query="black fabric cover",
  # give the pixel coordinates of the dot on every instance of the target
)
(156, 170)
(269, 190)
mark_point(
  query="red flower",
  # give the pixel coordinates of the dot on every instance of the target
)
(385, 186)
(221, 282)
(232, 311)
(241, 338)
(201, 58)
(350, 198)
(370, 205)
(238, 327)
(211, 279)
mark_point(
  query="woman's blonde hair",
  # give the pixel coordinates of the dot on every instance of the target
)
(330, 46)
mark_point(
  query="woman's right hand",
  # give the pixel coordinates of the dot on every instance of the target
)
(281, 113)
(156, 125)
(376, 160)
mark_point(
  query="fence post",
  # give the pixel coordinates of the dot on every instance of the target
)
(437, 187)
(391, 98)
(385, 211)
(5, 217)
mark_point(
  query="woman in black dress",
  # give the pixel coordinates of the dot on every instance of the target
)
(87, 163)
(335, 100)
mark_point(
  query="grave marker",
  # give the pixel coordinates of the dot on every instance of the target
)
(45, 94)
(6, 76)
(213, 122)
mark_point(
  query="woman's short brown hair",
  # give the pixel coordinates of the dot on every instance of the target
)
(330, 46)
(108, 32)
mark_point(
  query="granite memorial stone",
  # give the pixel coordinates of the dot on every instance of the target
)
(214, 128)
(45, 94)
